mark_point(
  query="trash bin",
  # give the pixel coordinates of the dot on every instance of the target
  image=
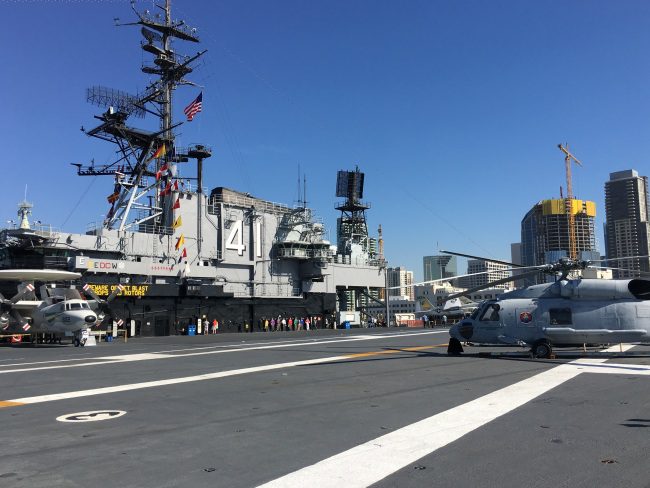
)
(347, 324)
(191, 330)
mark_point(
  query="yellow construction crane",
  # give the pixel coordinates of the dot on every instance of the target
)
(573, 248)
(381, 258)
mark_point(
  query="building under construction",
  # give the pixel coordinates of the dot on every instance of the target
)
(546, 234)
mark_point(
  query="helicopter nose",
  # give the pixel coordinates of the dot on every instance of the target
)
(453, 332)
(90, 319)
(465, 330)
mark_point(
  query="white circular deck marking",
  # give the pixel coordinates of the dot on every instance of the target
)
(92, 416)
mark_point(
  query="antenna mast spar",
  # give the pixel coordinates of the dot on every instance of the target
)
(568, 202)
(145, 166)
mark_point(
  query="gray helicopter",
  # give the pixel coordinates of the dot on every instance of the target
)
(567, 312)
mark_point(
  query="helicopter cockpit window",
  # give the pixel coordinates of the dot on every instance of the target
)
(490, 313)
(75, 306)
(560, 316)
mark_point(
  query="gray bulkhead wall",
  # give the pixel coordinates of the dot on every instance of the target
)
(254, 262)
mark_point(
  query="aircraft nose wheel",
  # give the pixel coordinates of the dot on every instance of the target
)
(542, 350)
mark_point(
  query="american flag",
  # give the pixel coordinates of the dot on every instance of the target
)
(195, 107)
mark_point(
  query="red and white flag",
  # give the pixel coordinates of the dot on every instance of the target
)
(194, 108)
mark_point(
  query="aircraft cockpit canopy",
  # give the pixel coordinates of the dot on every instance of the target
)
(60, 293)
(489, 311)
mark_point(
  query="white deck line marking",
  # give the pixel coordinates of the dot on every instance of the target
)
(218, 346)
(372, 461)
(587, 366)
(172, 381)
(103, 360)
(262, 343)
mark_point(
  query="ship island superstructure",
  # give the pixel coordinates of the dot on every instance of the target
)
(183, 252)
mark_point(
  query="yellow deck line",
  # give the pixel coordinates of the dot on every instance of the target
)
(5, 404)
(395, 351)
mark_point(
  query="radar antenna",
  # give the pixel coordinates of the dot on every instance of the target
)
(352, 226)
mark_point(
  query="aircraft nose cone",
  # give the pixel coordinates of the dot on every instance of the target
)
(453, 332)
(90, 319)
(466, 330)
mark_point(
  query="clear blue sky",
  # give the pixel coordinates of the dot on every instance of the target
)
(453, 109)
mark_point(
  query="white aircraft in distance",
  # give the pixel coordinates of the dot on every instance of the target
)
(454, 308)
(59, 312)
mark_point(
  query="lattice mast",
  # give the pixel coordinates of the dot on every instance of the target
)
(144, 155)
(352, 228)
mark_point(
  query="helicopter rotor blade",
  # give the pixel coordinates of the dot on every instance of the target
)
(483, 259)
(629, 270)
(617, 259)
(493, 284)
(451, 278)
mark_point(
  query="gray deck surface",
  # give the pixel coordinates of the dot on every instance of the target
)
(253, 427)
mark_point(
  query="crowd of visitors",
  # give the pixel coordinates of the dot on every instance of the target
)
(264, 324)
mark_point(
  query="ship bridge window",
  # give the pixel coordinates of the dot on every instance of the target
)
(560, 316)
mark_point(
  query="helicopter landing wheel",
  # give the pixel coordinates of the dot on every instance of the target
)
(542, 349)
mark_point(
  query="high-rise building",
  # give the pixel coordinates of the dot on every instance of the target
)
(627, 227)
(491, 271)
(437, 267)
(515, 258)
(402, 279)
(545, 233)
